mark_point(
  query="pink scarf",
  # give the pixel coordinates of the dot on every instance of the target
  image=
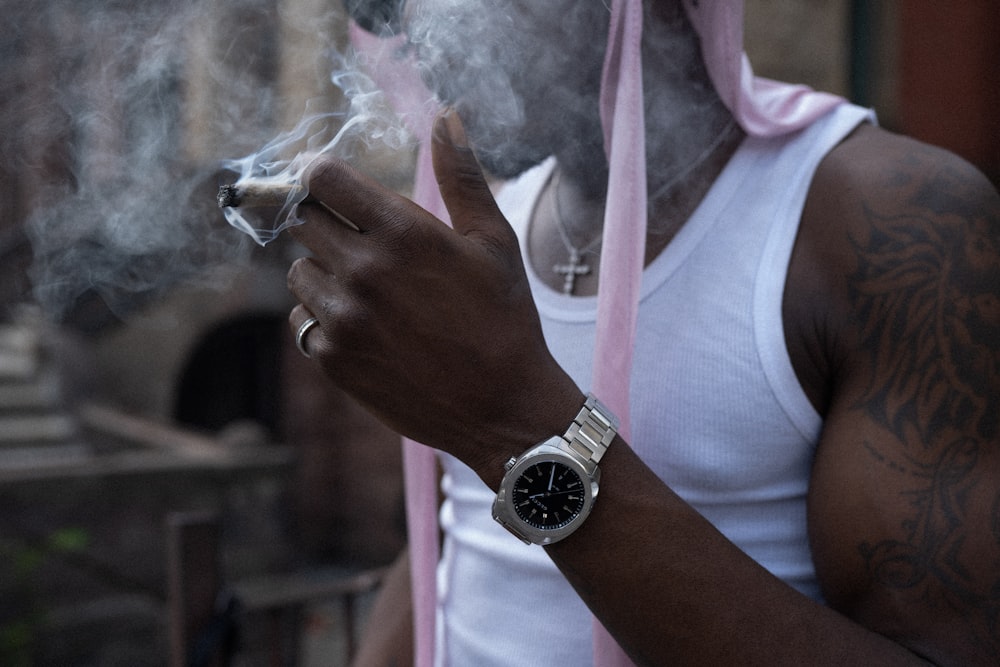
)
(762, 108)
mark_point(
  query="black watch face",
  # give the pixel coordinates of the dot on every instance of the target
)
(548, 495)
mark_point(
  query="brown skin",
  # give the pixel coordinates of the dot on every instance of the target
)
(893, 320)
(905, 493)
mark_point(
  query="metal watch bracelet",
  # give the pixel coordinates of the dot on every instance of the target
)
(592, 430)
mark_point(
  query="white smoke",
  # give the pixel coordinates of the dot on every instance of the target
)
(125, 120)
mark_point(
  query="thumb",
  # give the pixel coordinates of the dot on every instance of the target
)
(460, 179)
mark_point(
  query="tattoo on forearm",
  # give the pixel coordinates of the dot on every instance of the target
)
(927, 291)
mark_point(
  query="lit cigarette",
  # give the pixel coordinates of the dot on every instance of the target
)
(252, 194)
(255, 194)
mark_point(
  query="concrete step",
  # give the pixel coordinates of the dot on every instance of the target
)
(18, 352)
(36, 430)
(17, 336)
(28, 396)
(17, 366)
(19, 458)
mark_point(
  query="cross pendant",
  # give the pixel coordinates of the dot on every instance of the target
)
(571, 270)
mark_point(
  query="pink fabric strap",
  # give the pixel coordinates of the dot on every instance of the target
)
(762, 107)
(624, 236)
(420, 467)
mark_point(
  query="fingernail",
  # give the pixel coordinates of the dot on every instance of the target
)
(451, 130)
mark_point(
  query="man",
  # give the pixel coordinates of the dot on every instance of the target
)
(812, 468)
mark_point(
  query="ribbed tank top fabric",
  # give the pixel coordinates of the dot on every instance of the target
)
(717, 411)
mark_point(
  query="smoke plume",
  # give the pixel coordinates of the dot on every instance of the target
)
(120, 120)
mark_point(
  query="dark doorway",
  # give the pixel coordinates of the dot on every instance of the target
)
(234, 375)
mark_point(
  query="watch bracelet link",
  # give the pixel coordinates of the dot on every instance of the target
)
(592, 430)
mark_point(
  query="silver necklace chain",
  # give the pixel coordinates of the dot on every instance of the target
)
(704, 155)
(575, 266)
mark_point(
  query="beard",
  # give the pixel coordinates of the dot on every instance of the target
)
(525, 83)
(502, 149)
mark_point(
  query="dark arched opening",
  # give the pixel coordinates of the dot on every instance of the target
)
(234, 375)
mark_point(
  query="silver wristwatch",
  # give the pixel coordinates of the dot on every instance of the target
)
(548, 491)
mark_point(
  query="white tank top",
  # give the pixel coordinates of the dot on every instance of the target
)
(717, 411)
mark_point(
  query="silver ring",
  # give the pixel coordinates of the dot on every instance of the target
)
(300, 335)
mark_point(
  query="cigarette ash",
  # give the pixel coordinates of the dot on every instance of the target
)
(229, 196)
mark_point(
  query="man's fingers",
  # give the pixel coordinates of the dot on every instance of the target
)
(352, 198)
(339, 194)
(313, 287)
(343, 191)
(319, 298)
(460, 179)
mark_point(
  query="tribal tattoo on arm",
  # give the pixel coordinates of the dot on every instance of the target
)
(927, 296)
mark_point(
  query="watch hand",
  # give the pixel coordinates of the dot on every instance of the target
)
(552, 476)
(546, 494)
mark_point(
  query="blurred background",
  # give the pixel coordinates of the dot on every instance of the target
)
(176, 481)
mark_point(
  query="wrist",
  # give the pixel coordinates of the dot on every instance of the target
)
(548, 492)
(534, 425)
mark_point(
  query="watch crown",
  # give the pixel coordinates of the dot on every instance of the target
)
(510, 463)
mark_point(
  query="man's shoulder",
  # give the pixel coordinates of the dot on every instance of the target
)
(888, 219)
(875, 167)
(878, 182)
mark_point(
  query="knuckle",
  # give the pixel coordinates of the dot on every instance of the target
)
(349, 334)
(295, 278)
(329, 310)
(470, 178)
(325, 169)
